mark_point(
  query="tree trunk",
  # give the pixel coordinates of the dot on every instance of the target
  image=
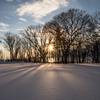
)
(29, 59)
(43, 59)
(79, 56)
(66, 59)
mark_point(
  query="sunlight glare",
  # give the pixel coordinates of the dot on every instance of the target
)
(51, 60)
(50, 47)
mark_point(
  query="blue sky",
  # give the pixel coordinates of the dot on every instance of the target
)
(18, 14)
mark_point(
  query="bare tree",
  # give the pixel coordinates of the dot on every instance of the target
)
(31, 33)
(38, 40)
(96, 37)
(57, 34)
(73, 23)
(45, 40)
(26, 49)
(12, 44)
(1, 55)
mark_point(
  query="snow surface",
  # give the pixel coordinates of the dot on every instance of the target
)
(37, 81)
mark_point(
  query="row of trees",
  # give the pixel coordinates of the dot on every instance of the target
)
(73, 34)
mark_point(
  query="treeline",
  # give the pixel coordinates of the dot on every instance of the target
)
(74, 35)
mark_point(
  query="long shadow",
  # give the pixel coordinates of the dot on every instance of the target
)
(87, 67)
(21, 75)
(9, 62)
(77, 73)
(20, 68)
(73, 68)
(59, 68)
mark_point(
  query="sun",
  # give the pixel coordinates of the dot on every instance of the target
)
(50, 47)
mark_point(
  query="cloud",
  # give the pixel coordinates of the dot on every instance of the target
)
(38, 21)
(3, 27)
(38, 9)
(9, 0)
(3, 24)
(20, 29)
(4, 30)
(22, 19)
(7, 17)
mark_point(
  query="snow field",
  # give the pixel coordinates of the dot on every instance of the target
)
(37, 81)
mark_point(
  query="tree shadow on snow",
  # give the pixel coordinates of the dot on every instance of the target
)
(22, 68)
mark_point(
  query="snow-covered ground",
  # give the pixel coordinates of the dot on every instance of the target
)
(37, 81)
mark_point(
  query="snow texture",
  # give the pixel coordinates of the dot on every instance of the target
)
(37, 81)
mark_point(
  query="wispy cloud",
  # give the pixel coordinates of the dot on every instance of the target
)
(9, 0)
(22, 19)
(3, 24)
(7, 17)
(4, 30)
(38, 21)
(20, 29)
(3, 27)
(40, 8)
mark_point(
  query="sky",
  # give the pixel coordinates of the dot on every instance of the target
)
(18, 14)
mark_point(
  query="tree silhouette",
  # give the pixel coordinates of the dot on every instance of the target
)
(12, 44)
